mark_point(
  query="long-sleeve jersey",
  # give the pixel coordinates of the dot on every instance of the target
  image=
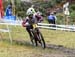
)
(29, 22)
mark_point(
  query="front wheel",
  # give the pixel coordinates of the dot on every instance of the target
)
(41, 40)
(33, 40)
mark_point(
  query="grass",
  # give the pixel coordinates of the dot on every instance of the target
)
(60, 38)
(55, 37)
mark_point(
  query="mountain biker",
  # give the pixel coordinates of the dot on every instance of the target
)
(33, 31)
(32, 18)
(28, 23)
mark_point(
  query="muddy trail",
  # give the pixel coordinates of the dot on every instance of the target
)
(65, 50)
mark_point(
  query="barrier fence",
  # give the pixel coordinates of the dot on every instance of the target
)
(57, 27)
(45, 26)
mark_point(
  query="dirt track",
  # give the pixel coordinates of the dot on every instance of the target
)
(69, 52)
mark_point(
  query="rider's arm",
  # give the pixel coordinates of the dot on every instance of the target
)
(24, 22)
(39, 18)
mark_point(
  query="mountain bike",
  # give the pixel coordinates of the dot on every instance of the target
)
(37, 37)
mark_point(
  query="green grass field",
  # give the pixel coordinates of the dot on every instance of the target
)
(54, 37)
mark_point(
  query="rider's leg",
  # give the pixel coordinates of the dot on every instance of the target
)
(29, 32)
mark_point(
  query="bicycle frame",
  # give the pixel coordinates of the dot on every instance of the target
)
(37, 36)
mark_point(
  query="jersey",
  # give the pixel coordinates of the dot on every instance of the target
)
(29, 22)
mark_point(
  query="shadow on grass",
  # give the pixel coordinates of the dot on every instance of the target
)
(17, 42)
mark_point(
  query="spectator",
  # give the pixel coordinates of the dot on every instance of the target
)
(51, 18)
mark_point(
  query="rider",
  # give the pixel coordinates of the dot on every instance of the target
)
(32, 18)
(28, 23)
(31, 23)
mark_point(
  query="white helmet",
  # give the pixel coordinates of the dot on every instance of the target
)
(30, 11)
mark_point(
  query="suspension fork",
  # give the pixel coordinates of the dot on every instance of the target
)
(37, 33)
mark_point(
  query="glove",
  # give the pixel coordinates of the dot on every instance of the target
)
(23, 24)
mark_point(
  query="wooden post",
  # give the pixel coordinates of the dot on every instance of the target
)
(13, 7)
